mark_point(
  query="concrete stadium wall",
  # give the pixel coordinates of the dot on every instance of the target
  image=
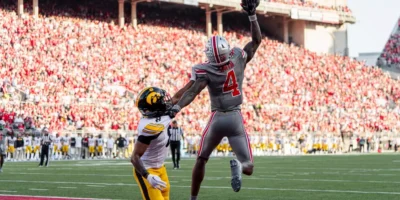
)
(272, 25)
(324, 38)
(317, 37)
(297, 32)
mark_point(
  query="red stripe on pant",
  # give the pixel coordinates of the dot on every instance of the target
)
(205, 132)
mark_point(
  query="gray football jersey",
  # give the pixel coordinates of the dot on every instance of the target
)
(225, 82)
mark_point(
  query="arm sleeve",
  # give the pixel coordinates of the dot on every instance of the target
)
(150, 132)
(147, 139)
(199, 72)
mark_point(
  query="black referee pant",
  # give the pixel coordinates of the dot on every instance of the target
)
(176, 151)
(45, 153)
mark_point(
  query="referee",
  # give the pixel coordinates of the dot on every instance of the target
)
(46, 140)
(175, 136)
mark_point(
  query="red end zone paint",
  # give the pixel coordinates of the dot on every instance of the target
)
(16, 197)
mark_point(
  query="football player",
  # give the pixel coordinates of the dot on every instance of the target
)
(264, 143)
(224, 74)
(197, 140)
(100, 144)
(325, 144)
(152, 144)
(36, 147)
(65, 146)
(19, 144)
(190, 144)
(92, 145)
(28, 146)
(225, 146)
(11, 145)
(3, 136)
(57, 146)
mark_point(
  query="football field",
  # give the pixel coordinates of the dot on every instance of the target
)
(351, 177)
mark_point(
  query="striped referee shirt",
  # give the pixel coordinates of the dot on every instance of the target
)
(46, 139)
(175, 134)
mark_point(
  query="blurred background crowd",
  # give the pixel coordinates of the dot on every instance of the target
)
(73, 69)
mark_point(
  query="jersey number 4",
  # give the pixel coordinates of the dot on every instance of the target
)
(231, 85)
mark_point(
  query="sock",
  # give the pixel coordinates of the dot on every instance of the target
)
(193, 198)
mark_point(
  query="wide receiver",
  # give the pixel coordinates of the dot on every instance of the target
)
(223, 74)
(152, 144)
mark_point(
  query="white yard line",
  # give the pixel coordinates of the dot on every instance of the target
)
(217, 187)
(49, 197)
(119, 163)
(270, 173)
(60, 182)
(95, 186)
(7, 191)
(57, 174)
(37, 189)
(67, 187)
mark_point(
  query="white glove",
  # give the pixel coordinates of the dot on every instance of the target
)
(156, 182)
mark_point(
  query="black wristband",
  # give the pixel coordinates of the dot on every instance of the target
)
(145, 174)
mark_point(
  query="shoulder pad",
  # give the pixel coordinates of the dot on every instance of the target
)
(239, 51)
(200, 71)
(153, 128)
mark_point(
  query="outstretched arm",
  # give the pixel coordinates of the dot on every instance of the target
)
(138, 151)
(189, 95)
(179, 94)
(250, 7)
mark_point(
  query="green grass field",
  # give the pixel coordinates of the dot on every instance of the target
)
(366, 177)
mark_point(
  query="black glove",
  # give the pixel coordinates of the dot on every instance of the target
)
(173, 111)
(250, 6)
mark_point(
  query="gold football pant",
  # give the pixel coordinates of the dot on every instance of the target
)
(148, 192)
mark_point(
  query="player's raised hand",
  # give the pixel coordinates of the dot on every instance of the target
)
(250, 6)
(156, 182)
(174, 110)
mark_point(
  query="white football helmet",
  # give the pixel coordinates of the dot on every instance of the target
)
(217, 50)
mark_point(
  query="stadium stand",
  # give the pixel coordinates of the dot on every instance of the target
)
(391, 52)
(71, 70)
(312, 4)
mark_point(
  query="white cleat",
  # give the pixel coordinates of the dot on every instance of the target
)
(236, 173)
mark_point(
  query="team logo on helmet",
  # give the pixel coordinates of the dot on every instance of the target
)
(152, 97)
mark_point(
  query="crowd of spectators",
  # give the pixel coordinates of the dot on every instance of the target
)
(391, 52)
(313, 4)
(70, 73)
